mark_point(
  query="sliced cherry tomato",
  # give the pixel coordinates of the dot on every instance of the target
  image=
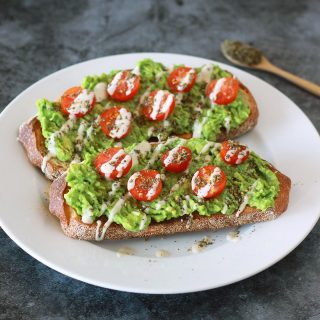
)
(116, 122)
(124, 86)
(159, 105)
(145, 185)
(223, 91)
(77, 101)
(177, 159)
(209, 181)
(113, 163)
(234, 153)
(182, 79)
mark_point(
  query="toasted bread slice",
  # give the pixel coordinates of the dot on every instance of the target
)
(73, 226)
(30, 135)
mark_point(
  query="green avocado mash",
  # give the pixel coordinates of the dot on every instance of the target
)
(86, 138)
(90, 191)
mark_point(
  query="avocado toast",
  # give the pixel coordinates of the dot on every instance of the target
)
(54, 139)
(93, 203)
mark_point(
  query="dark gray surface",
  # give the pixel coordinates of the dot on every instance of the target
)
(39, 37)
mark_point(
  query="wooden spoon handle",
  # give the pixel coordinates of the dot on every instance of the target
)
(305, 84)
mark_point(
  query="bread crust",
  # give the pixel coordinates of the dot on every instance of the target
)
(30, 135)
(249, 124)
(73, 227)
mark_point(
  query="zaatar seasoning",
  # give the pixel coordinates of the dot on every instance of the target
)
(241, 52)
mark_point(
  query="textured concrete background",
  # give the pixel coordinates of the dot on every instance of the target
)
(39, 37)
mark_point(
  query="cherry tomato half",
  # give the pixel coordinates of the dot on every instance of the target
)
(223, 91)
(209, 181)
(113, 163)
(124, 86)
(116, 122)
(182, 79)
(177, 159)
(159, 105)
(77, 101)
(234, 153)
(145, 185)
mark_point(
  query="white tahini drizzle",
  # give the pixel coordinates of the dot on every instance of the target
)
(205, 73)
(122, 124)
(246, 198)
(144, 96)
(87, 216)
(155, 154)
(203, 191)
(179, 97)
(207, 146)
(113, 84)
(157, 108)
(100, 91)
(186, 80)
(117, 207)
(95, 124)
(90, 130)
(158, 148)
(230, 153)
(80, 134)
(130, 85)
(224, 209)
(171, 155)
(142, 148)
(153, 189)
(227, 124)
(241, 155)
(216, 89)
(166, 123)
(143, 222)
(115, 186)
(166, 106)
(103, 208)
(132, 180)
(197, 127)
(136, 71)
(108, 167)
(66, 127)
(82, 103)
(122, 165)
(159, 75)
(159, 204)
(150, 131)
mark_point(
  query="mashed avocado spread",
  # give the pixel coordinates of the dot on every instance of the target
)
(90, 193)
(193, 112)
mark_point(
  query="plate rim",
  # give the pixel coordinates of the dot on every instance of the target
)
(71, 274)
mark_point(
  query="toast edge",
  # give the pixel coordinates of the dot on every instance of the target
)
(30, 135)
(246, 126)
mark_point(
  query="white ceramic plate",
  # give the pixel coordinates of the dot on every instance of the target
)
(284, 136)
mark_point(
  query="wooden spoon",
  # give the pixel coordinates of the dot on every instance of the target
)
(265, 65)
